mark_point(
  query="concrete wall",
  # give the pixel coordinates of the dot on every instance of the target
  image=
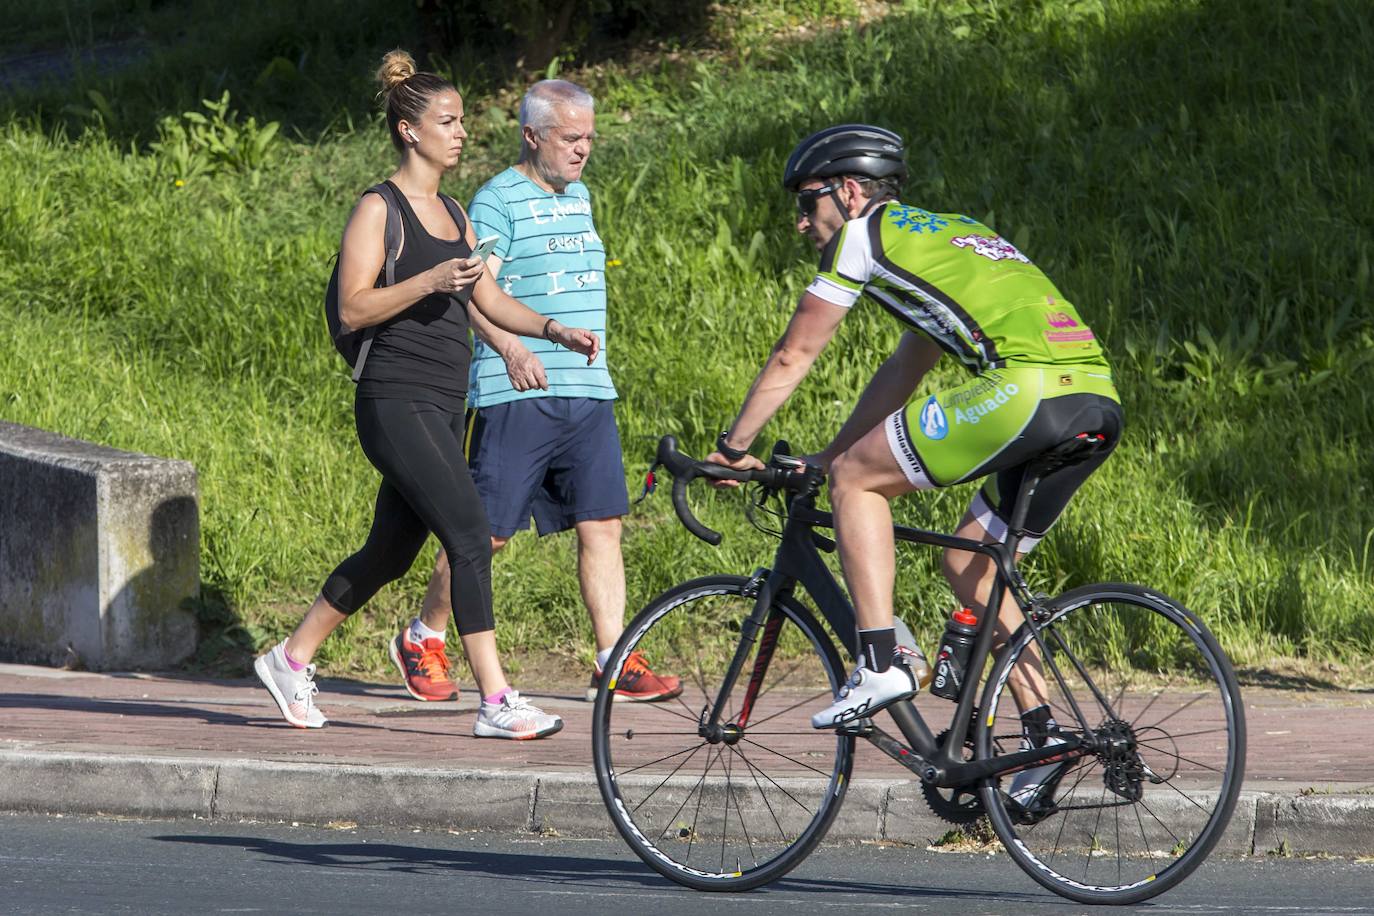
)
(99, 552)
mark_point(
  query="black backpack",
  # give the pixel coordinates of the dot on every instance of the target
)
(353, 346)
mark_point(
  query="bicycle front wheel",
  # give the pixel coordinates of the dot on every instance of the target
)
(1141, 682)
(737, 806)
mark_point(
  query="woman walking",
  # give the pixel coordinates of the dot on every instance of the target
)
(410, 402)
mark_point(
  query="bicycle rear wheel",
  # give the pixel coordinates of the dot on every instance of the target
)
(1144, 684)
(739, 807)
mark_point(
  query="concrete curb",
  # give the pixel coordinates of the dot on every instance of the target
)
(567, 803)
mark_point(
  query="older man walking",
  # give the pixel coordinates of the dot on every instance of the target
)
(542, 437)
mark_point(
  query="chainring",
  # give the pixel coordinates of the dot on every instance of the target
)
(958, 805)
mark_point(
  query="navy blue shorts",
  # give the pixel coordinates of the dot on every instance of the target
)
(557, 459)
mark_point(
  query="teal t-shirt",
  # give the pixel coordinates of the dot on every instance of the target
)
(554, 262)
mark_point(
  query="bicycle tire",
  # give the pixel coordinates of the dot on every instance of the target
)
(1160, 698)
(781, 777)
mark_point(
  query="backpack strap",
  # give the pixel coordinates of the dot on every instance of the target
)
(393, 239)
(456, 213)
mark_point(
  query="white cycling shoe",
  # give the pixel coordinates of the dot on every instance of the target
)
(866, 692)
(1033, 788)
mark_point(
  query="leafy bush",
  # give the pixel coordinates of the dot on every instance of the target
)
(196, 144)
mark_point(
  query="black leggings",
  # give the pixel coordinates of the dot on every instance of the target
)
(426, 487)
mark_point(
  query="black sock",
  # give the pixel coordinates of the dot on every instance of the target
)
(876, 648)
(1037, 724)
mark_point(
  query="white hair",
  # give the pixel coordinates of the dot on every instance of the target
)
(537, 108)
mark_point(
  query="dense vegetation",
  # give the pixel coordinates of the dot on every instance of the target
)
(1194, 174)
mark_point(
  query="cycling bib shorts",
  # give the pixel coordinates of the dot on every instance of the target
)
(993, 426)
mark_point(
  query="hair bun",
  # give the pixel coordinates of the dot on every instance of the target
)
(397, 67)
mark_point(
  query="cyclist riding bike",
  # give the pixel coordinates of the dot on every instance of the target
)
(1039, 377)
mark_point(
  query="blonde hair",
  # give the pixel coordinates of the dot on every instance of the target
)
(406, 91)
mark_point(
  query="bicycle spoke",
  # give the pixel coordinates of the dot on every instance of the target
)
(1088, 860)
(661, 759)
(799, 763)
(1177, 756)
(1197, 699)
(781, 712)
(1205, 731)
(670, 776)
(1158, 694)
(762, 794)
(796, 666)
(1116, 822)
(1184, 795)
(725, 822)
(701, 797)
(1150, 811)
(776, 785)
(665, 709)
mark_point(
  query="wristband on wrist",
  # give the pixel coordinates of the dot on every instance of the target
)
(545, 333)
(729, 451)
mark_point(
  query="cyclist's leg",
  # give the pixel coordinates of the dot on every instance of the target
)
(972, 576)
(863, 479)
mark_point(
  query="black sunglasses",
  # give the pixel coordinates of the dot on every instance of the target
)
(808, 200)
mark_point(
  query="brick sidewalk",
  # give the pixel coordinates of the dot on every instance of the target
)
(1304, 738)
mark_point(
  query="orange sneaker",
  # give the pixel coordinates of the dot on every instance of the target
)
(638, 683)
(424, 667)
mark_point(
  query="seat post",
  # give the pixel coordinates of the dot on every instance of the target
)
(1016, 529)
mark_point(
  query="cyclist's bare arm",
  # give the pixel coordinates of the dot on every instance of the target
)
(812, 326)
(890, 388)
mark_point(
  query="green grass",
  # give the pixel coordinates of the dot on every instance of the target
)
(1195, 175)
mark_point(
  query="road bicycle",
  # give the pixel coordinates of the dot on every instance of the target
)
(727, 787)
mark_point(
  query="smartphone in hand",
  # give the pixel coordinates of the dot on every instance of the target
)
(485, 247)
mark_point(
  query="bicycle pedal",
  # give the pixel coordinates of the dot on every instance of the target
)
(859, 728)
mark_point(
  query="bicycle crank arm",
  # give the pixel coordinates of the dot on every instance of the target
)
(898, 751)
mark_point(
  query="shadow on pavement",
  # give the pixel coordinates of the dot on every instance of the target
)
(173, 710)
(562, 870)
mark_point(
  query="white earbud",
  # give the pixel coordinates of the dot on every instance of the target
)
(411, 134)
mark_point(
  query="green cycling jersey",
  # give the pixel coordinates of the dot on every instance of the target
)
(973, 292)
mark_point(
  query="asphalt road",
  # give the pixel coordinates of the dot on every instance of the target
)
(92, 865)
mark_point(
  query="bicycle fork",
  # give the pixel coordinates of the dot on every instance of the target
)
(761, 627)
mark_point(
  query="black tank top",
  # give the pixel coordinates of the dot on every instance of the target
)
(422, 353)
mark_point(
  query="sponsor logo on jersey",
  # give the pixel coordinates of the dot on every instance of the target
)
(914, 219)
(975, 391)
(1078, 336)
(992, 247)
(1061, 320)
(976, 412)
(934, 424)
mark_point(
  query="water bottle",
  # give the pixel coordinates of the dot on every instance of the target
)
(951, 662)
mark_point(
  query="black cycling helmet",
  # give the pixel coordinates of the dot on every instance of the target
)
(846, 149)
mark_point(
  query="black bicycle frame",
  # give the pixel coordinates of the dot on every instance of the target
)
(798, 560)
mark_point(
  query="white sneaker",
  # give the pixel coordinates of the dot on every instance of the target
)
(294, 691)
(865, 693)
(1028, 786)
(514, 717)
